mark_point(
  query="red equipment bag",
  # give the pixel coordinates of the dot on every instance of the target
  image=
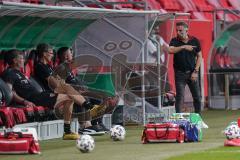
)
(18, 143)
(165, 132)
(232, 142)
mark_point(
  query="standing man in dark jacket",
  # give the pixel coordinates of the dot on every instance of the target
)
(187, 60)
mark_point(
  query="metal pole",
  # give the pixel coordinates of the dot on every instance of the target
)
(159, 76)
(142, 69)
(226, 91)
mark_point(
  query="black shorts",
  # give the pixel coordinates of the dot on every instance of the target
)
(45, 99)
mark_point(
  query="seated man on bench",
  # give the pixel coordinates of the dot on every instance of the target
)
(26, 94)
(64, 69)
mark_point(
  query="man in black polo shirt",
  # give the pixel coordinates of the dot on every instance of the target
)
(187, 60)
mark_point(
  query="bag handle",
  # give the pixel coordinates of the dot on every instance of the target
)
(13, 134)
(165, 135)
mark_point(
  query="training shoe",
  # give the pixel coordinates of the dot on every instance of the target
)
(99, 110)
(94, 130)
(70, 136)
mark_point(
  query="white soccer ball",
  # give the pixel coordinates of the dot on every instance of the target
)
(117, 133)
(232, 131)
(85, 143)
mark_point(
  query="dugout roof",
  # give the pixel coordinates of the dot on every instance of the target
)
(23, 26)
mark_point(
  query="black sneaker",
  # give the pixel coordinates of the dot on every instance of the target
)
(94, 130)
(104, 127)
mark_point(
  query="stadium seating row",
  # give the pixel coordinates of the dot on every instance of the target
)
(199, 9)
(10, 116)
(11, 113)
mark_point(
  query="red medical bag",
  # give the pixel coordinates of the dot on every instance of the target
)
(18, 143)
(232, 142)
(162, 132)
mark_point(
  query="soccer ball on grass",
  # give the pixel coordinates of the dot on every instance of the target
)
(232, 131)
(85, 143)
(117, 133)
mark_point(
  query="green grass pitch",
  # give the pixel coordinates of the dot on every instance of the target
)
(211, 148)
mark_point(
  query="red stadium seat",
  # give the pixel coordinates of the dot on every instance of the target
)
(1, 122)
(202, 5)
(226, 4)
(109, 6)
(198, 15)
(170, 5)
(2, 64)
(117, 6)
(32, 1)
(220, 15)
(28, 70)
(219, 60)
(208, 15)
(29, 66)
(137, 5)
(19, 115)
(235, 4)
(126, 5)
(187, 5)
(7, 116)
(153, 5)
